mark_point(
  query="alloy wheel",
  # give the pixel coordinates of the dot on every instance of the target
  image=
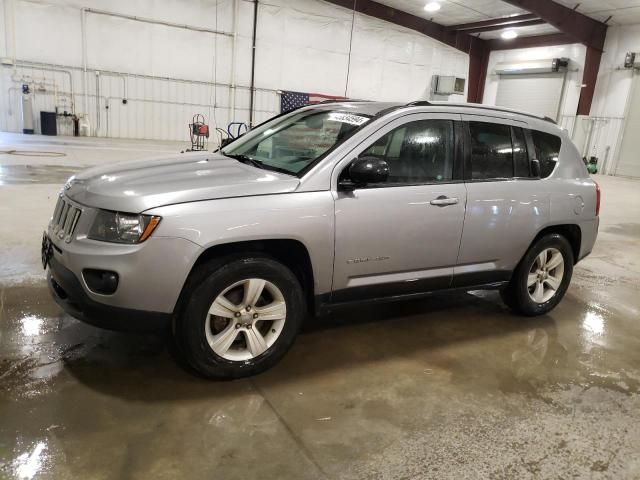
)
(545, 275)
(245, 319)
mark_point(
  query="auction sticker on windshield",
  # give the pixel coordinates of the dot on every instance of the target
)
(349, 118)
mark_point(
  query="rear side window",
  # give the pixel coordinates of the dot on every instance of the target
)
(547, 151)
(491, 151)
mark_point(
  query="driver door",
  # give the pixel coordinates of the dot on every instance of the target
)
(402, 236)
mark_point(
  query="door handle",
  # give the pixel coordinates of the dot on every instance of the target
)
(443, 201)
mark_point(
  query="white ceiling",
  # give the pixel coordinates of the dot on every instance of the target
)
(454, 12)
(623, 12)
(530, 31)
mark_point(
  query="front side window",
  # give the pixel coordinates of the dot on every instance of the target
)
(547, 151)
(491, 151)
(417, 152)
(293, 143)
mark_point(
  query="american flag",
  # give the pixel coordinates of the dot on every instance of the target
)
(292, 100)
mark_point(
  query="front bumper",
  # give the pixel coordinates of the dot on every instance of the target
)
(67, 291)
(150, 274)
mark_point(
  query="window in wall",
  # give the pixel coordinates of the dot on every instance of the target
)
(547, 151)
(491, 151)
(520, 155)
(417, 152)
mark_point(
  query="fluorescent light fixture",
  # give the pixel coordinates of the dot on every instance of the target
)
(509, 34)
(432, 7)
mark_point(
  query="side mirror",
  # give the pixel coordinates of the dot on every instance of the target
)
(535, 168)
(364, 170)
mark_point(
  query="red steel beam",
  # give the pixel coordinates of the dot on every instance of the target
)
(493, 22)
(589, 78)
(458, 40)
(493, 28)
(478, 66)
(529, 42)
(581, 28)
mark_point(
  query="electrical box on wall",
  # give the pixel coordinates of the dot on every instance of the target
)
(632, 60)
(447, 85)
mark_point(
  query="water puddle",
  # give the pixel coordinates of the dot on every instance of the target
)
(34, 174)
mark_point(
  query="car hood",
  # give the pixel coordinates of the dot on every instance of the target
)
(188, 177)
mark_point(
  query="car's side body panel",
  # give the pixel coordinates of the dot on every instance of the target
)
(390, 239)
(502, 217)
(307, 217)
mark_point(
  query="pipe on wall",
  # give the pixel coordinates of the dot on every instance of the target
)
(253, 62)
(39, 65)
(83, 28)
(232, 87)
(122, 77)
(108, 100)
(26, 64)
(156, 22)
(97, 103)
(9, 29)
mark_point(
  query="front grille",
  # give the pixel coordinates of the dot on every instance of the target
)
(65, 219)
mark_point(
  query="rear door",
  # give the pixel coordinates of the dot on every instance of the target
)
(506, 205)
(401, 236)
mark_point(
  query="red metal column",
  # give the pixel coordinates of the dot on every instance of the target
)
(478, 65)
(589, 78)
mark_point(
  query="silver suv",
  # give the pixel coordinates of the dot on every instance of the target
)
(321, 207)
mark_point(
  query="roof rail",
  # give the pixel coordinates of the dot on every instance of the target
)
(339, 100)
(425, 103)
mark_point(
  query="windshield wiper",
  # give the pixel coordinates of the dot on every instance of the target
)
(257, 163)
(245, 159)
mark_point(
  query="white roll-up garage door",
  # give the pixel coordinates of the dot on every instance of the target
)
(538, 93)
(629, 158)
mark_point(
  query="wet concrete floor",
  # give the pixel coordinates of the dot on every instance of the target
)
(454, 386)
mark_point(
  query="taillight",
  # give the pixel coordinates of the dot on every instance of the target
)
(597, 199)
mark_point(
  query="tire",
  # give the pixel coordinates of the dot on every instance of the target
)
(526, 298)
(239, 341)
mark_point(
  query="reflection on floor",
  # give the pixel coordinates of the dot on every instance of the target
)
(454, 386)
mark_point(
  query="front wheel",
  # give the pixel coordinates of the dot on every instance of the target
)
(242, 317)
(542, 277)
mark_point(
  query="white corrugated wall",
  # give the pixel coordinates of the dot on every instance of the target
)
(167, 73)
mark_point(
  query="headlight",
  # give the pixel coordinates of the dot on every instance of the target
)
(121, 227)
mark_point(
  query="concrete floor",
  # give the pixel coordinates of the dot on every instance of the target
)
(450, 387)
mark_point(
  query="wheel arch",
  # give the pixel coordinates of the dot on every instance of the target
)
(571, 232)
(290, 252)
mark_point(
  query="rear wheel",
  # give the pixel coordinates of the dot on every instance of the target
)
(242, 317)
(542, 277)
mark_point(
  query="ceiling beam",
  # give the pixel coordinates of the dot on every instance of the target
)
(458, 40)
(581, 28)
(530, 42)
(504, 21)
(493, 28)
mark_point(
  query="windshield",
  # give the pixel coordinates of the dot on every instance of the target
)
(292, 143)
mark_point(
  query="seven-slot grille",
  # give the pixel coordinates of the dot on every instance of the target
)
(65, 219)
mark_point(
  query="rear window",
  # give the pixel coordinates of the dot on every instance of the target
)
(547, 151)
(491, 151)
